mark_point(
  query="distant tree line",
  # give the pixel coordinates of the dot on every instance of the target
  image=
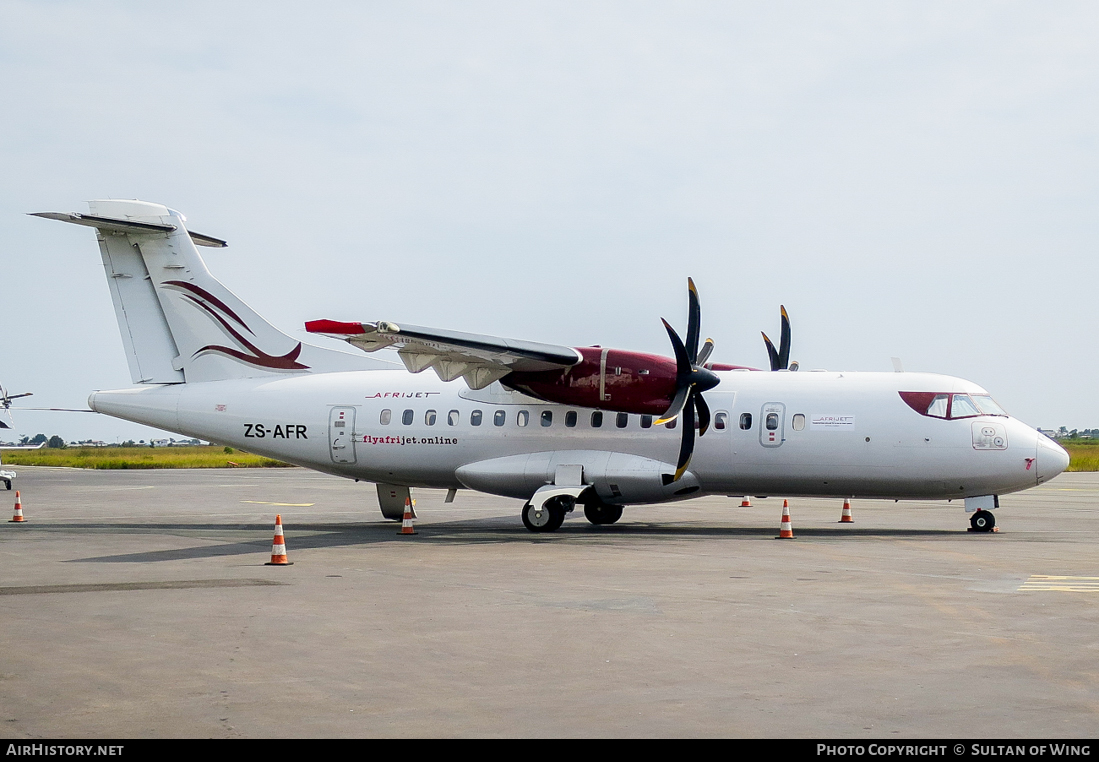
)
(1065, 433)
(57, 443)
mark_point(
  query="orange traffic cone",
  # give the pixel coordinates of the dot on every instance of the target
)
(278, 547)
(746, 502)
(785, 530)
(18, 510)
(845, 517)
(406, 522)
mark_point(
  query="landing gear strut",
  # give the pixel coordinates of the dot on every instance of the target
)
(982, 521)
(602, 514)
(549, 516)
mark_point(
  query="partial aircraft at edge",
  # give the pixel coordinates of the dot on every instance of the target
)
(550, 425)
(6, 422)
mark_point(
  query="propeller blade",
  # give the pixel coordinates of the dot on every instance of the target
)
(705, 352)
(784, 341)
(703, 413)
(678, 402)
(694, 321)
(687, 444)
(772, 353)
(682, 359)
(780, 358)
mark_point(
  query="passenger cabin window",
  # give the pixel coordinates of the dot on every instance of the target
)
(721, 421)
(406, 417)
(385, 417)
(798, 421)
(430, 417)
(475, 418)
(547, 418)
(671, 424)
(621, 420)
(745, 421)
(452, 418)
(523, 418)
(499, 417)
(596, 419)
(570, 418)
(646, 421)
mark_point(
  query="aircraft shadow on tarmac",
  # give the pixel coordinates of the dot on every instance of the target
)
(478, 531)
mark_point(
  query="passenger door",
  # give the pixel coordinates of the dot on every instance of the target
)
(772, 428)
(341, 434)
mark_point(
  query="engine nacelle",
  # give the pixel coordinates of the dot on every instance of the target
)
(608, 379)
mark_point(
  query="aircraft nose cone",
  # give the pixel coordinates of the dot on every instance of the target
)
(1052, 459)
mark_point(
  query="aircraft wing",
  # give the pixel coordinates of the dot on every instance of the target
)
(477, 358)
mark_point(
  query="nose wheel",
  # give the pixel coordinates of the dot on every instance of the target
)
(982, 521)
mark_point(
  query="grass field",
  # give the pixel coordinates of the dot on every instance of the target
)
(1084, 454)
(139, 457)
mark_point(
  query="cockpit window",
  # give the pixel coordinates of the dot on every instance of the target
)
(988, 405)
(937, 408)
(962, 406)
(945, 405)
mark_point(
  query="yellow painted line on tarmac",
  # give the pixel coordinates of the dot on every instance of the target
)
(289, 505)
(1050, 583)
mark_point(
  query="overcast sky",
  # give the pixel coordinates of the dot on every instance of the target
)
(916, 180)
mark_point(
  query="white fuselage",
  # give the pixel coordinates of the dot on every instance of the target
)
(837, 434)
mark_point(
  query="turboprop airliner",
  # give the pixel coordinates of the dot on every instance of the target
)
(552, 426)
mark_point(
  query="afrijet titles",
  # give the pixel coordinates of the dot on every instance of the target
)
(553, 426)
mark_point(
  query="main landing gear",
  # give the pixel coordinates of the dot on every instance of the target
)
(982, 521)
(549, 516)
(598, 513)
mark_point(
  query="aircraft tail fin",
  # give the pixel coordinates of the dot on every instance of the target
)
(178, 322)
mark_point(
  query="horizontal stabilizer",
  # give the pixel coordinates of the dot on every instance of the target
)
(178, 323)
(113, 225)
